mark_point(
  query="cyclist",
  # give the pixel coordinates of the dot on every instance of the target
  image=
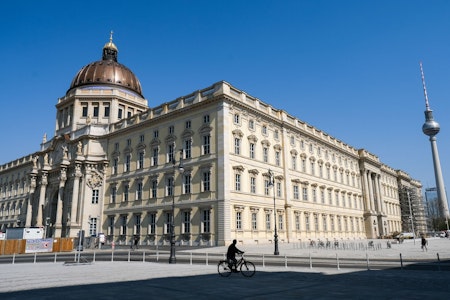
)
(231, 255)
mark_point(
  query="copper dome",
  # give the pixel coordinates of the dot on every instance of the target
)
(107, 72)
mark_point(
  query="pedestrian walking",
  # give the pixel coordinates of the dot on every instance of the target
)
(424, 243)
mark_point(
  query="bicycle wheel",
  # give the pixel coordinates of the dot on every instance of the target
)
(248, 269)
(223, 268)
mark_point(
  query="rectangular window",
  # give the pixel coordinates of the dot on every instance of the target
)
(123, 225)
(171, 129)
(186, 222)
(297, 222)
(126, 167)
(252, 150)
(96, 110)
(206, 181)
(187, 148)
(278, 189)
(106, 111)
(266, 154)
(93, 227)
(268, 217)
(186, 183)
(277, 158)
(206, 144)
(126, 190)
(167, 222)
(206, 221)
(141, 160)
(152, 223)
(84, 111)
(307, 227)
(141, 138)
(236, 119)
(155, 134)
(305, 193)
(322, 196)
(252, 185)
(94, 196)
(254, 221)
(137, 224)
(264, 130)
(280, 222)
(237, 182)
(314, 194)
(139, 191)
(169, 186)
(155, 157)
(294, 162)
(187, 125)
(206, 119)
(115, 165)
(154, 186)
(171, 153)
(113, 194)
(110, 225)
(237, 146)
(238, 220)
(324, 221)
(120, 113)
(266, 187)
(296, 194)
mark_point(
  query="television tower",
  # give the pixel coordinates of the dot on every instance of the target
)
(431, 128)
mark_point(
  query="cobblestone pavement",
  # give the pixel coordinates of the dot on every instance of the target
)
(144, 280)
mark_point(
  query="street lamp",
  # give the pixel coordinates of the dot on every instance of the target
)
(172, 258)
(275, 237)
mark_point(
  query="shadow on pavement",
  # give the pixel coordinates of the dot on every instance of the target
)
(399, 284)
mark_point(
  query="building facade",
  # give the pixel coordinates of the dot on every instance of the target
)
(112, 167)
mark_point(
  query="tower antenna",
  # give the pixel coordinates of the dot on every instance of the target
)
(427, 105)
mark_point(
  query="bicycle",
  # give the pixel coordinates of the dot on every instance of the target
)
(247, 268)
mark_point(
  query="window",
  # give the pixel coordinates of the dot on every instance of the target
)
(237, 146)
(141, 138)
(113, 194)
(115, 165)
(324, 221)
(303, 165)
(120, 113)
(252, 185)
(307, 227)
(252, 150)
(206, 181)
(170, 153)
(238, 220)
(155, 156)
(171, 129)
(187, 148)
(316, 222)
(254, 221)
(126, 167)
(313, 170)
(297, 222)
(152, 223)
(296, 195)
(154, 188)
(278, 189)
(277, 158)
(167, 222)
(137, 224)
(294, 162)
(236, 118)
(186, 222)
(322, 196)
(276, 134)
(123, 225)
(111, 225)
(314, 194)
(266, 187)
(305, 193)
(155, 134)
(268, 217)
(139, 191)
(237, 182)
(206, 119)
(206, 144)
(84, 110)
(169, 186)
(128, 142)
(264, 130)
(186, 183)
(187, 124)
(106, 111)
(95, 110)
(93, 227)
(126, 190)
(116, 146)
(129, 113)
(140, 164)
(280, 222)
(251, 124)
(206, 217)
(266, 154)
(94, 196)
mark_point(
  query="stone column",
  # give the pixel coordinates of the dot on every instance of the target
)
(371, 195)
(40, 207)
(366, 190)
(75, 196)
(29, 217)
(59, 204)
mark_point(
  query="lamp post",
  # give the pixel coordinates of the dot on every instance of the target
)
(172, 258)
(275, 236)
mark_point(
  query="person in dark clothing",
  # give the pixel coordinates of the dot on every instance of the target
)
(231, 255)
(424, 243)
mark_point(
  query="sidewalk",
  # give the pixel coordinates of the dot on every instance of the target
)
(139, 280)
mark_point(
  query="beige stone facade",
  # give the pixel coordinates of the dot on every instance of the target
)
(110, 169)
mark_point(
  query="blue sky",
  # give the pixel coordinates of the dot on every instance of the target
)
(349, 68)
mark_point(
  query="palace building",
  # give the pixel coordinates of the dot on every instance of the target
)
(220, 163)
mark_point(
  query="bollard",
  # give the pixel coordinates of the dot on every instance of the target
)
(129, 254)
(35, 257)
(157, 255)
(143, 256)
(54, 261)
(263, 262)
(401, 262)
(310, 261)
(206, 258)
(337, 261)
(190, 259)
(93, 258)
(285, 261)
(14, 258)
(112, 256)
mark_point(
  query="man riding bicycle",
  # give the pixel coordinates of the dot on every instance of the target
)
(231, 255)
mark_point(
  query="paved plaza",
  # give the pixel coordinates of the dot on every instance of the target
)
(145, 280)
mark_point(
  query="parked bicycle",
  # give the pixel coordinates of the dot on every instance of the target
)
(247, 268)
